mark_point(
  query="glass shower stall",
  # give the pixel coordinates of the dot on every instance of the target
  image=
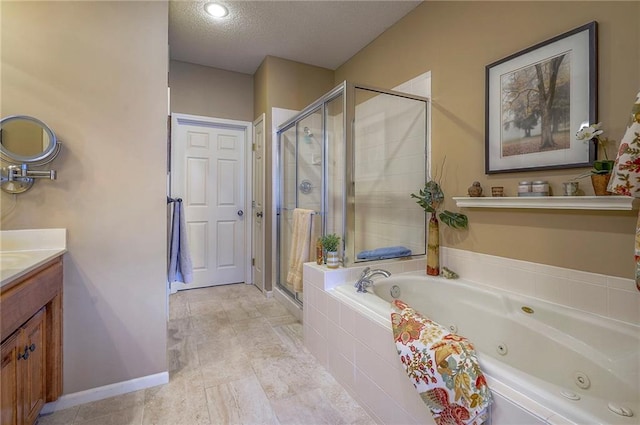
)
(353, 157)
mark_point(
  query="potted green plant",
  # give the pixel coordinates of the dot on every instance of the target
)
(430, 199)
(602, 168)
(330, 244)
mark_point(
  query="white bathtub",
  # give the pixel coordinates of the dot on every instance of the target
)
(576, 365)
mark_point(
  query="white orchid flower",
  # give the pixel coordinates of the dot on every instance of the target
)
(589, 132)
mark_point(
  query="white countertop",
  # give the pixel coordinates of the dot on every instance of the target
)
(22, 251)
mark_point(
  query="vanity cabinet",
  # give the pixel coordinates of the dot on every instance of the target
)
(31, 350)
(23, 368)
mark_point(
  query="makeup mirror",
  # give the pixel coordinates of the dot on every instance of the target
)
(25, 142)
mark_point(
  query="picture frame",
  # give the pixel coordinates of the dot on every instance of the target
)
(526, 131)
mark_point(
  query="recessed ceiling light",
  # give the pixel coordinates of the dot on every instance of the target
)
(216, 10)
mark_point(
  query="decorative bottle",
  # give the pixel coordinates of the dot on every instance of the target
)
(319, 252)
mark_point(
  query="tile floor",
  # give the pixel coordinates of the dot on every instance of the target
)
(235, 357)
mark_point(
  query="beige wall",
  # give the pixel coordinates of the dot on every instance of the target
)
(455, 41)
(281, 83)
(96, 72)
(210, 92)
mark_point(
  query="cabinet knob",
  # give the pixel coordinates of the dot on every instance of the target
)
(27, 349)
(25, 355)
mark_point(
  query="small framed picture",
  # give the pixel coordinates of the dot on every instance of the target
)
(537, 99)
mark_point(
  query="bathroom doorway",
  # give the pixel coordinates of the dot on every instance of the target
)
(209, 173)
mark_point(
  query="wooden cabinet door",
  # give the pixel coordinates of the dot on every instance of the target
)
(9, 381)
(33, 366)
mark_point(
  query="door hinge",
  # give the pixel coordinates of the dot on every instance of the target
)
(253, 146)
(253, 261)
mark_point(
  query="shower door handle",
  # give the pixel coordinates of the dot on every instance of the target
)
(240, 213)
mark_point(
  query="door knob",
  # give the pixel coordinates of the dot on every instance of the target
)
(240, 213)
(259, 214)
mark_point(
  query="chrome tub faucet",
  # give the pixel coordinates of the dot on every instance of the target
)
(365, 278)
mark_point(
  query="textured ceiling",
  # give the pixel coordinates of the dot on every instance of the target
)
(321, 33)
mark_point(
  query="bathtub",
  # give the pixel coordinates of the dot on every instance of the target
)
(567, 366)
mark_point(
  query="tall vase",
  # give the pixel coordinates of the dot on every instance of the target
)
(600, 183)
(433, 246)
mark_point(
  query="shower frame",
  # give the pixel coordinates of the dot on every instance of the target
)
(347, 90)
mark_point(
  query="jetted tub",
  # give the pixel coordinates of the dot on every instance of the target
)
(582, 367)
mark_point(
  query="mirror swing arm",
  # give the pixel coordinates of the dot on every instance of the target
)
(17, 177)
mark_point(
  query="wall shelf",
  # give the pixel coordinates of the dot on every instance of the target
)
(615, 203)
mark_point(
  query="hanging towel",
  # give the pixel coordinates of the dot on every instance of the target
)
(625, 178)
(383, 253)
(180, 267)
(305, 230)
(442, 367)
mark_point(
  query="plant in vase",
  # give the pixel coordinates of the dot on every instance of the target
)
(430, 199)
(602, 168)
(330, 244)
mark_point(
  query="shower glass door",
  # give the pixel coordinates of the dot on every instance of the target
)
(301, 185)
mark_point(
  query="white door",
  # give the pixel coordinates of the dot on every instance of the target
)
(208, 173)
(258, 204)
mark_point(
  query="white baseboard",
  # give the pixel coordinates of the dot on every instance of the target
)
(106, 391)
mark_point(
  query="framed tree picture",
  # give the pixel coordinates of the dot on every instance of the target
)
(537, 99)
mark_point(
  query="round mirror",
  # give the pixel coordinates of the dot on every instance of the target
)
(27, 140)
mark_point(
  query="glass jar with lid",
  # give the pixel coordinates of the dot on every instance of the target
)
(524, 188)
(540, 188)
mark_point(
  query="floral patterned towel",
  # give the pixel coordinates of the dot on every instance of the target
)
(625, 179)
(442, 366)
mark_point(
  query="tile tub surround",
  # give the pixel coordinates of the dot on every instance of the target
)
(362, 358)
(235, 356)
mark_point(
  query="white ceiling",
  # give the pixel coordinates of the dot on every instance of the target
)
(321, 33)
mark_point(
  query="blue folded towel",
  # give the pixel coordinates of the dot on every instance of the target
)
(382, 253)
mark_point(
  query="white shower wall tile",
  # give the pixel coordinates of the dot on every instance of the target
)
(345, 343)
(333, 310)
(379, 404)
(621, 283)
(347, 319)
(386, 376)
(342, 370)
(608, 296)
(317, 321)
(624, 305)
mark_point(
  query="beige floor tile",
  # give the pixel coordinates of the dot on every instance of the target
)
(224, 369)
(182, 355)
(310, 407)
(61, 417)
(241, 311)
(180, 402)
(234, 357)
(271, 308)
(282, 320)
(132, 416)
(240, 402)
(206, 306)
(206, 328)
(213, 349)
(178, 307)
(291, 337)
(350, 411)
(286, 376)
(124, 403)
